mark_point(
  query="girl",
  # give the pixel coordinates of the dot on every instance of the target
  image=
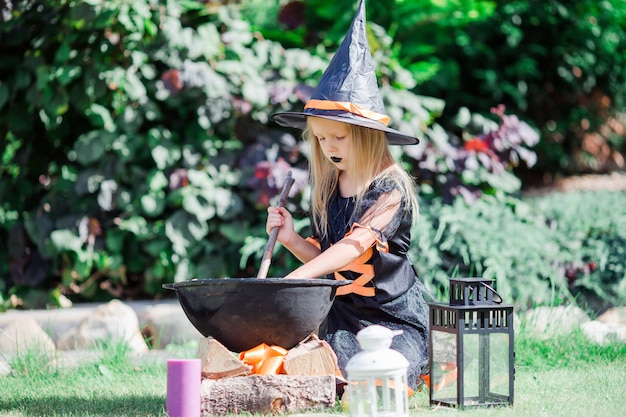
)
(363, 207)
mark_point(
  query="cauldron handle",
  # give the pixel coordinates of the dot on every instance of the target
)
(269, 248)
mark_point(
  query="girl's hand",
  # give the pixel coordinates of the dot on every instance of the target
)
(280, 217)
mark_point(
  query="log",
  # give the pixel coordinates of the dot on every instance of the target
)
(218, 362)
(267, 394)
(312, 357)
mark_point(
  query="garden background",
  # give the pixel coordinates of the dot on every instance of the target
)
(137, 149)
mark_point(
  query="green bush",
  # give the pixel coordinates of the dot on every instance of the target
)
(135, 144)
(540, 251)
(557, 63)
(593, 232)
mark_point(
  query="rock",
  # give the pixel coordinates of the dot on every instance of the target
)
(55, 321)
(546, 322)
(110, 322)
(5, 368)
(616, 315)
(166, 323)
(24, 334)
(603, 333)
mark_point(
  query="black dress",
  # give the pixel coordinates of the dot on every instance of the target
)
(393, 297)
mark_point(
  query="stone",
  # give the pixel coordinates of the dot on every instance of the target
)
(167, 323)
(615, 315)
(54, 321)
(110, 322)
(5, 368)
(546, 322)
(24, 334)
(603, 333)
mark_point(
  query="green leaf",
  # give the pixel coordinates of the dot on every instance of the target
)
(64, 52)
(136, 225)
(157, 247)
(200, 205)
(100, 117)
(164, 157)
(67, 74)
(157, 181)
(55, 100)
(134, 87)
(184, 230)
(153, 204)
(91, 146)
(114, 240)
(66, 240)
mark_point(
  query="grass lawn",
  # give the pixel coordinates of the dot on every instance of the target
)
(565, 376)
(582, 390)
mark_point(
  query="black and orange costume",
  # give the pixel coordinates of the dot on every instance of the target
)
(386, 289)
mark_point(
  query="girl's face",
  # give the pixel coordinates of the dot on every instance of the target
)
(334, 139)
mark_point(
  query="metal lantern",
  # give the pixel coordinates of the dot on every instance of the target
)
(377, 376)
(471, 347)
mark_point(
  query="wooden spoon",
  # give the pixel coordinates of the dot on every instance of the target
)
(269, 248)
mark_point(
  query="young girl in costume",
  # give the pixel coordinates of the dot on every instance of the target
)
(363, 207)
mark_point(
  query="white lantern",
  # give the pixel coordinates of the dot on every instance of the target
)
(377, 376)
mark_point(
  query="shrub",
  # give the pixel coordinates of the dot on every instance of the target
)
(593, 232)
(557, 63)
(133, 141)
(558, 248)
(479, 159)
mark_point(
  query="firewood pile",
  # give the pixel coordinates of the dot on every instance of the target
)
(268, 379)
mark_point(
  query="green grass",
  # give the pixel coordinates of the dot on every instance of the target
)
(113, 385)
(564, 376)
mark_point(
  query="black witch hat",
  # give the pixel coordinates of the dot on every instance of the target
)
(348, 91)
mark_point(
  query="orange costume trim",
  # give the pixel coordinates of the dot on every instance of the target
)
(359, 265)
(349, 107)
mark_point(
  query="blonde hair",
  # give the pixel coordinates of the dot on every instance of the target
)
(370, 160)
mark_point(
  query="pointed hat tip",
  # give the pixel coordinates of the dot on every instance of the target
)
(348, 90)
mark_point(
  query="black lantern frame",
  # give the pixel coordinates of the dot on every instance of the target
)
(471, 347)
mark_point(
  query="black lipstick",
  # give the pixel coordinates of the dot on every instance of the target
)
(335, 159)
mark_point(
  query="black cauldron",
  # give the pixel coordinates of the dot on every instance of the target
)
(242, 313)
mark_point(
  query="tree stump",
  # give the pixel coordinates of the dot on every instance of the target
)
(267, 394)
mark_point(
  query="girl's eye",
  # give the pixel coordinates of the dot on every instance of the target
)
(320, 139)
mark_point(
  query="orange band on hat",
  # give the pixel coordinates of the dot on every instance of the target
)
(349, 107)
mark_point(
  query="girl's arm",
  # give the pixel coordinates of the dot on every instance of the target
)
(287, 236)
(354, 244)
(337, 256)
(302, 249)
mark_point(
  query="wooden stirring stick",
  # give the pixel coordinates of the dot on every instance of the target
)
(269, 248)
